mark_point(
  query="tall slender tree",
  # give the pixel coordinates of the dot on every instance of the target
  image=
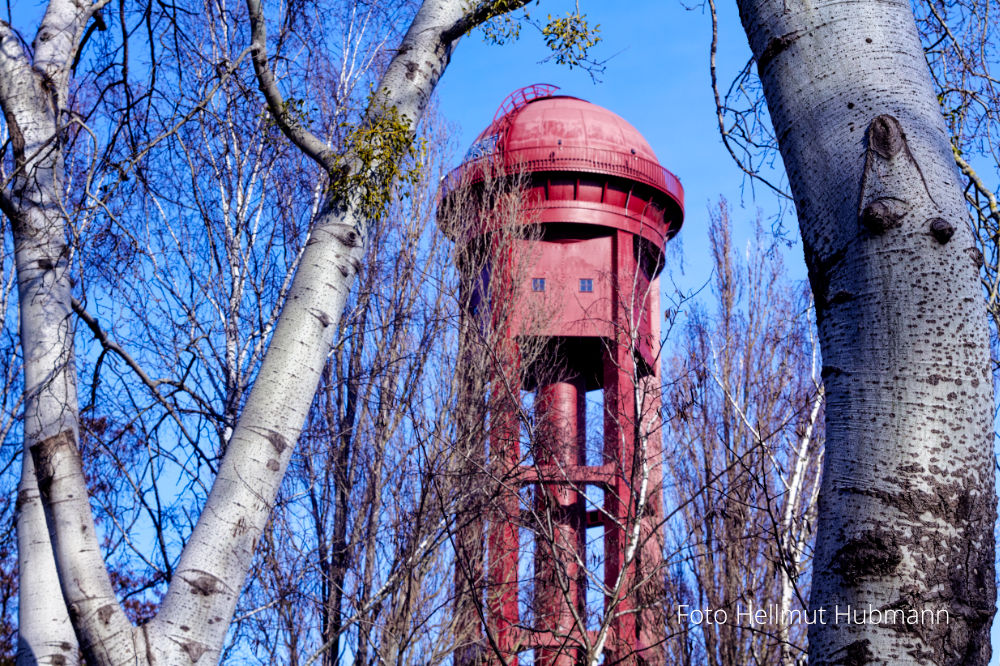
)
(907, 504)
(745, 441)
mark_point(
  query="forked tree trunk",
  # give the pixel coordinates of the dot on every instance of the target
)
(32, 93)
(907, 503)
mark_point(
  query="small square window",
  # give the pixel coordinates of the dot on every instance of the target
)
(537, 284)
(586, 284)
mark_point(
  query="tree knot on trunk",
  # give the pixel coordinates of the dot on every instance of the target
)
(883, 214)
(888, 181)
(277, 441)
(976, 255)
(774, 47)
(105, 612)
(941, 229)
(870, 554)
(886, 137)
(205, 584)
(194, 650)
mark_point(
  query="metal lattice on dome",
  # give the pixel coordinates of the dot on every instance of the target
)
(521, 97)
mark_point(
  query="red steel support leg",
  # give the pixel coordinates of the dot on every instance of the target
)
(503, 540)
(619, 449)
(559, 549)
(651, 596)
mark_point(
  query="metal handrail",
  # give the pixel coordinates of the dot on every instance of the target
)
(569, 158)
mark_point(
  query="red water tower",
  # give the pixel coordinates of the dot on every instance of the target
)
(597, 212)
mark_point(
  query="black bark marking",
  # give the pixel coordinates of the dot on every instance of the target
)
(841, 297)
(22, 497)
(942, 230)
(105, 612)
(46, 264)
(411, 70)
(830, 371)
(911, 501)
(273, 465)
(204, 585)
(351, 238)
(855, 654)
(935, 379)
(867, 555)
(58, 660)
(819, 275)
(322, 317)
(344, 271)
(44, 454)
(976, 256)
(883, 214)
(277, 441)
(194, 650)
(774, 48)
(16, 137)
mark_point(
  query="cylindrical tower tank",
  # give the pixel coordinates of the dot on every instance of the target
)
(578, 285)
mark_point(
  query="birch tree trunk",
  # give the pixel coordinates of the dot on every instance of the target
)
(33, 92)
(195, 614)
(907, 504)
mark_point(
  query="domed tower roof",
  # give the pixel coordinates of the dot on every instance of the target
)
(537, 132)
(559, 121)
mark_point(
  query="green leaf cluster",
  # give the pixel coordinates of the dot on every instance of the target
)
(293, 111)
(570, 38)
(380, 155)
(502, 27)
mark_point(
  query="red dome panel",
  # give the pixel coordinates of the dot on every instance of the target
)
(567, 122)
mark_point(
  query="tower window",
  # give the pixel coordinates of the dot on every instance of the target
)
(586, 284)
(537, 284)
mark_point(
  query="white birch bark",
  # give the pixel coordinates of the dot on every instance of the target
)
(200, 602)
(907, 502)
(32, 94)
(193, 620)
